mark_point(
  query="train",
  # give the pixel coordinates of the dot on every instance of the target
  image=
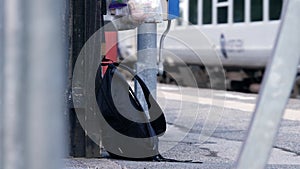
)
(241, 34)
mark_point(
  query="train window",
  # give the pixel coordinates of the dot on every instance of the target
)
(238, 11)
(222, 14)
(256, 10)
(207, 12)
(275, 9)
(193, 12)
(222, 0)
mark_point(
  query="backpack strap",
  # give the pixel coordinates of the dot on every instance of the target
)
(106, 61)
(157, 118)
(139, 80)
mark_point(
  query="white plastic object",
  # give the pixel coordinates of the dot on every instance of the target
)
(145, 10)
(128, 14)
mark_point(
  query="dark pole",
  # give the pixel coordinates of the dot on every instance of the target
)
(85, 21)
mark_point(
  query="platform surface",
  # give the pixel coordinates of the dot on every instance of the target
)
(209, 126)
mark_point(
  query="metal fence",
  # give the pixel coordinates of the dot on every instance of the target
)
(277, 85)
(33, 83)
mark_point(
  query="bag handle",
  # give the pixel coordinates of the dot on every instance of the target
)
(144, 87)
(158, 121)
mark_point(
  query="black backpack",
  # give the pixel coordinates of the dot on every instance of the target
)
(127, 133)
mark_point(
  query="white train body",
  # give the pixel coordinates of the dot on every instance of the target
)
(242, 32)
(247, 44)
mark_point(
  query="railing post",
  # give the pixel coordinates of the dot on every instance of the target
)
(13, 85)
(1, 84)
(45, 83)
(277, 85)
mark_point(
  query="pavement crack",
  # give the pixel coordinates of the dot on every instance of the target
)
(287, 150)
(191, 130)
(211, 153)
(227, 139)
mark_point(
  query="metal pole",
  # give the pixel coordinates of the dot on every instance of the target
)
(65, 19)
(45, 84)
(13, 89)
(1, 84)
(146, 66)
(277, 85)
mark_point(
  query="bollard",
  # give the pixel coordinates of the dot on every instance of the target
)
(146, 66)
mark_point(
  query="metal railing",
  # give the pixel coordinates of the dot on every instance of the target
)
(33, 83)
(277, 85)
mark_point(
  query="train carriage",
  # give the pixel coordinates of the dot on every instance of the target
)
(242, 32)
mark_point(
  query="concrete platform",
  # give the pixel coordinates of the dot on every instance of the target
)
(209, 126)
